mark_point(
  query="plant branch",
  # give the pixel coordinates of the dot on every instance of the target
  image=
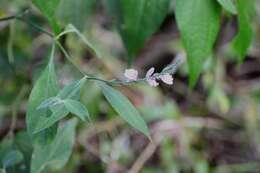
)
(35, 26)
(171, 68)
(20, 17)
(12, 17)
(69, 58)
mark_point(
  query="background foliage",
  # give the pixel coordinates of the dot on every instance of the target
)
(55, 118)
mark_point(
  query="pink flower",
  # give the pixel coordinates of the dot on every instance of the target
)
(152, 82)
(149, 72)
(131, 74)
(150, 78)
(167, 78)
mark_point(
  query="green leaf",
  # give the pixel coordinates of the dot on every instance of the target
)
(77, 108)
(56, 154)
(72, 90)
(244, 36)
(228, 5)
(75, 12)
(138, 20)
(13, 157)
(45, 87)
(48, 8)
(6, 145)
(199, 23)
(58, 112)
(23, 144)
(124, 108)
(48, 102)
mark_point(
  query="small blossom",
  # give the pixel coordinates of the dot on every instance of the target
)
(150, 78)
(152, 82)
(167, 78)
(131, 74)
(149, 72)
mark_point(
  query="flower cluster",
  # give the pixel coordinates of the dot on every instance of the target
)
(151, 77)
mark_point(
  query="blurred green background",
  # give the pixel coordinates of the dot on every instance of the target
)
(213, 128)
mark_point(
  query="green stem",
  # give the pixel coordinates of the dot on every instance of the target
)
(170, 69)
(7, 18)
(35, 26)
(69, 58)
(12, 17)
(10, 52)
(97, 79)
(15, 107)
(20, 16)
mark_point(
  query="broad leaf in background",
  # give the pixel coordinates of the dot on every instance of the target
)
(23, 144)
(46, 86)
(243, 39)
(48, 8)
(75, 12)
(124, 108)
(5, 146)
(138, 20)
(199, 23)
(12, 158)
(56, 154)
(228, 5)
(77, 108)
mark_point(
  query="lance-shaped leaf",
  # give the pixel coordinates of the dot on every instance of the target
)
(137, 20)
(58, 112)
(124, 108)
(48, 8)
(243, 38)
(198, 22)
(13, 157)
(72, 90)
(77, 108)
(57, 105)
(46, 86)
(76, 12)
(56, 154)
(228, 5)
(49, 102)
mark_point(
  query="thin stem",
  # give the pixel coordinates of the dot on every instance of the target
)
(98, 79)
(10, 52)
(122, 82)
(171, 69)
(20, 16)
(15, 107)
(8, 18)
(12, 17)
(69, 58)
(35, 26)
